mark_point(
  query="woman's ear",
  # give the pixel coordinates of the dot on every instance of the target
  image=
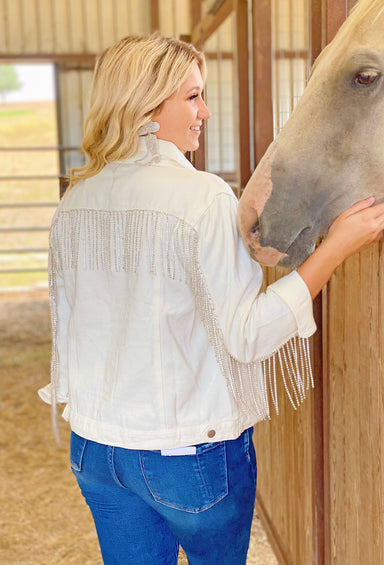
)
(157, 111)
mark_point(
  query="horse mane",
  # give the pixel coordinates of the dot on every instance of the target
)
(364, 10)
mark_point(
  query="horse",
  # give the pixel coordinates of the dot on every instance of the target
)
(329, 154)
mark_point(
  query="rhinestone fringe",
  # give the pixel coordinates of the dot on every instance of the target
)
(124, 241)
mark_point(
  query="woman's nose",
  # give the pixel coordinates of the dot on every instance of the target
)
(204, 112)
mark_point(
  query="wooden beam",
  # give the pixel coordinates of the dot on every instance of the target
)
(242, 61)
(291, 54)
(262, 77)
(87, 60)
(333, 15)
(316, 23)
(318, 436)
(337, 11)
(155, 15)
(317, 17)
(198, 159)
(209, 24)
(196, 11)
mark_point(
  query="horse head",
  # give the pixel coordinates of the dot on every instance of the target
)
(329, 154)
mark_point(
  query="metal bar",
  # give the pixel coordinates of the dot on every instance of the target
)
(291, 54)
(31, 177)
(59, 118)
(12, 271)
(28, 204)
(45, 148)
(72, 58)
(25, 250)
(14, 230)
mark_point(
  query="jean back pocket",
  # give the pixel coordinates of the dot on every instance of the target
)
(192, 483)
(78, 445)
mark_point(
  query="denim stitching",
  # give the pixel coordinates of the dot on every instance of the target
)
(204, 447)
(111, 464)
(246, 445)
(78, 465)
(142, 467)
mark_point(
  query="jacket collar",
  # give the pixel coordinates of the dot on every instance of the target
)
(167, 151)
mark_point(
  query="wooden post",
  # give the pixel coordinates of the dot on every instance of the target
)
(155, 17)
(336, 12)
(262, 78)
(209, 24)
(242, 61)
(198, 157)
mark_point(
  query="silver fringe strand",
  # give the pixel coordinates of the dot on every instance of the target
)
(124, 241)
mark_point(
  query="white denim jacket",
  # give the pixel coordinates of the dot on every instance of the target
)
(160, 336)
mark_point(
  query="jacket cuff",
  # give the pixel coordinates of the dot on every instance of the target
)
(45, 393)
(293, 290)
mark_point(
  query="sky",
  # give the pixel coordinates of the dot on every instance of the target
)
(38, 83)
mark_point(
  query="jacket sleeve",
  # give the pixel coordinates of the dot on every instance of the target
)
(254, 325)
(57, 390)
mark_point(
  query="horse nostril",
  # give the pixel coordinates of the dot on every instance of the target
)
(255, 228)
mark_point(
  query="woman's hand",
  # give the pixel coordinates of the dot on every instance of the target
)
(353, 230)
(357, 228)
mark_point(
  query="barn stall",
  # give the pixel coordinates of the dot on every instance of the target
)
(320, 489)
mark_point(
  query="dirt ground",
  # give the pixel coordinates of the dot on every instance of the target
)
(44, 520)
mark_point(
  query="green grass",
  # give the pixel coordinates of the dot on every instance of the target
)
(8, 113)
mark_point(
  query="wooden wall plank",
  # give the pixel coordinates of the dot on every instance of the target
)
(166, 17)
(45, 26)
(355, 412)
(365, 404)
(379, 463)
(140, 16)
(14, 23)
(182, 18)
(124, 15)
(76, 28)
(61, 24)
(92, 27)
(286, 474)
(336, 330)
(347, 496)
(48, 27)
(4, 27)
(285, 479)
(28, 14)
(107, 23)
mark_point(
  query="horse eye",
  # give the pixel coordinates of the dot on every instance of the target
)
(365, 78)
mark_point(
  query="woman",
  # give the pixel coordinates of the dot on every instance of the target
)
(163, 346)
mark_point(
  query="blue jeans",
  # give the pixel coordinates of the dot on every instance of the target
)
(144, 504)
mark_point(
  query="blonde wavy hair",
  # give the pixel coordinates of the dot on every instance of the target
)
(131, 80)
